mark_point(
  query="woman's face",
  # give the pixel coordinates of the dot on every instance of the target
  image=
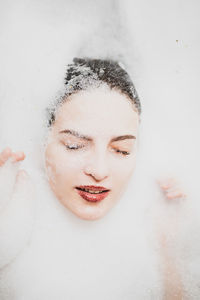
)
(91, 151)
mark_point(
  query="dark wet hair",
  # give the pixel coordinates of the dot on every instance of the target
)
(85, 73)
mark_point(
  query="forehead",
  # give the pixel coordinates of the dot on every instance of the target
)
(98, 111)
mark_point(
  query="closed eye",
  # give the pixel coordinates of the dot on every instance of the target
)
(122, 152)
(74, 147)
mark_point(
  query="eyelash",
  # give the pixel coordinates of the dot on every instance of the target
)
(122, 152)
(73, 147)
(79, 147)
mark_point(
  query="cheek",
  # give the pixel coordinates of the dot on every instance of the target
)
(61, 164)
(122, 171)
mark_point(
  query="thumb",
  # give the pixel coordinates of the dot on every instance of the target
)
(8, 173)
(23, 185)
(21, 175)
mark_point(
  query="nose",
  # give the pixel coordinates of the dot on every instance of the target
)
(97, 167)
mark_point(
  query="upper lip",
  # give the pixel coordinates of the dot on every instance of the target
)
(92, 187)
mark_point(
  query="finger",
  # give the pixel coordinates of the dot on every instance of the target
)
(4, 155)
(18, 156)
(175, 195)
(21, 175)
(8, 173)
(167, 183)
(23, 186)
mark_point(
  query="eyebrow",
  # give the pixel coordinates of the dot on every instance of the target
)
(87, 138)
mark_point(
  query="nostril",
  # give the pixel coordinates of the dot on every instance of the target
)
(96, 175)
(88, 171)
(97, 168)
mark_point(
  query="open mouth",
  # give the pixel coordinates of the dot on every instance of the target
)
(92, 193)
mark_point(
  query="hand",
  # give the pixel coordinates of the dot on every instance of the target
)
(7, 153)
(171, 189)
(17, 206)
(169, 229)
(170, 216)
(10, 175)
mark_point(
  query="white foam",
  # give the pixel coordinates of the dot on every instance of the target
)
(38, 40)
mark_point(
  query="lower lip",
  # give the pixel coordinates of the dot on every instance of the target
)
(93, 197)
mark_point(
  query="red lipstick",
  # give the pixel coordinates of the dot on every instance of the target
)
(92, 193)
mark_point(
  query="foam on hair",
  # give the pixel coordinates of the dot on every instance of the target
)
(87, 73)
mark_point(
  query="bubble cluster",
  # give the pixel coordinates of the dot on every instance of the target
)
(87, 73)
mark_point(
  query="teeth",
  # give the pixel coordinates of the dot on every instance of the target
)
(93, 192)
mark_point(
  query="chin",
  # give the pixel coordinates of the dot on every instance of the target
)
(90, 214)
